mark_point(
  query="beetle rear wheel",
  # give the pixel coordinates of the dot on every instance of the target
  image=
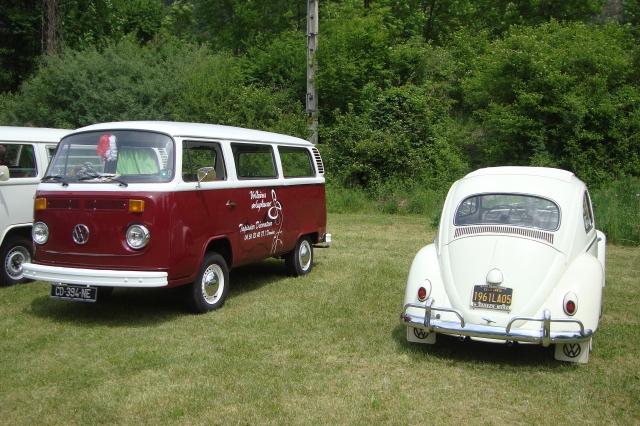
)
(209, 290)
(15, 252)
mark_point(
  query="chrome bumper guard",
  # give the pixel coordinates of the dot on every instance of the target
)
(545, 336)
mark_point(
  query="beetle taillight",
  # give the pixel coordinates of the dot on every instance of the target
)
(424, 291)
(422, 294)
(570, 307)
(570, 303)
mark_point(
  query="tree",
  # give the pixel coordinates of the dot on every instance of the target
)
(20, 41)
(559, 95)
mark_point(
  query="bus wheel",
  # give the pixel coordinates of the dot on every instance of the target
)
(300, 260)
(15, 252)
(209, 290)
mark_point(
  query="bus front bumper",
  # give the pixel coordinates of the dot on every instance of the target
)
(94, 277)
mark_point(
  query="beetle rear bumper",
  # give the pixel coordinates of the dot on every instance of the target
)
(549, 332)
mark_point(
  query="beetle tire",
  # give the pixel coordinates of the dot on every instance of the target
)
(209, 291)
(300, 260)
(15, 252)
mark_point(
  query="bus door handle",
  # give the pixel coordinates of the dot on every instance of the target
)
(231, 204)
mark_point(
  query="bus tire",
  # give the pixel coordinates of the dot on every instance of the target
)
(300, 260)
(209, 291)
(14, 253)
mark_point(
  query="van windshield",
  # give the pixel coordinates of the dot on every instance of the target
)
(130, 156)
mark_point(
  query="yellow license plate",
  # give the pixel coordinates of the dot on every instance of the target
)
(490, 297)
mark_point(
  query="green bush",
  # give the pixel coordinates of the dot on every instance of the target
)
(403, 135)
(125, 81)
(558, 95)
(617, 210)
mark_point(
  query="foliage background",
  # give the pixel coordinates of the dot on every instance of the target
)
(413, 94)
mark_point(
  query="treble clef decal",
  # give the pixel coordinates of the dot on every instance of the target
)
(275, 214)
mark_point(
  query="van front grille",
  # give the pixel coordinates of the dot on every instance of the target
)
(93, 205)
(63, 204)
(106, 205)
(509, 230)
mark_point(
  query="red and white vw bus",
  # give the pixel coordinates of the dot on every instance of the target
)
(164, 204)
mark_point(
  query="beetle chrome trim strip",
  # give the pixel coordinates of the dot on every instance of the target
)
(497, 229)
(545, 336)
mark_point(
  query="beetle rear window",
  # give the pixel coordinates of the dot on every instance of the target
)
(508, 209)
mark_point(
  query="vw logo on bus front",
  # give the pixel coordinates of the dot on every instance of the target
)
(80, 234)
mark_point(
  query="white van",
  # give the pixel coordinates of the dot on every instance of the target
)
(24, 156)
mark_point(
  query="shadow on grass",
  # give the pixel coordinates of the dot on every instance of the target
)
(139, 307)
(453, 350)
(125, 307)
(254, 276)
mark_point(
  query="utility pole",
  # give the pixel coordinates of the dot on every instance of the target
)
(312, 43)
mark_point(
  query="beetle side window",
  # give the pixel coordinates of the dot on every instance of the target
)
(508, 209)
(254, 161)
(296, 162)
(587, 213)
(199, 156)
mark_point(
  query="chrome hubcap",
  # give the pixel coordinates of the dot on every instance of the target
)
(212, 284)
(14, 261)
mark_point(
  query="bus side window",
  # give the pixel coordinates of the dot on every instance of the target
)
(20, 159)
(296, 162)
(254, 161)
(196, 155)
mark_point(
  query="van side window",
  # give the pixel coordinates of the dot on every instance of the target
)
(296, 162)
(19, 158)
(254, 161)
(197, 155)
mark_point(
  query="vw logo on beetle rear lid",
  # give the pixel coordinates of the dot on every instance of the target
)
(80, 234)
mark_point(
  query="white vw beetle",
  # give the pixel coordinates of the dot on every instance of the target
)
(517, 258)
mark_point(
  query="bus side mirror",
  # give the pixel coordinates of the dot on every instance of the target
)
(205, 175)
(4, 173)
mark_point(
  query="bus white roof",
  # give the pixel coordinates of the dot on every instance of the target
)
(31, 134)
(197, 130)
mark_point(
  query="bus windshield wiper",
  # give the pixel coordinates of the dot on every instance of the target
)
(55, 178)
(104, 177)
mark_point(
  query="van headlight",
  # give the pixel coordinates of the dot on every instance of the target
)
(40, 233)
(137, 236)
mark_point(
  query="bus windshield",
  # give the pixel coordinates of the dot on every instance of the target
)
(130, 156)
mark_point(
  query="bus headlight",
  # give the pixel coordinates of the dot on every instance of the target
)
(40, 233)
(137, 236)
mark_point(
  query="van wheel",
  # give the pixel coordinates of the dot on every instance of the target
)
(15, 252)
(300, 260)
(209, 290)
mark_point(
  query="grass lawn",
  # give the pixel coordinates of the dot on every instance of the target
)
(326, 348)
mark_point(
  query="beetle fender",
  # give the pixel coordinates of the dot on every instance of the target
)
(584, 276)
(425, 266)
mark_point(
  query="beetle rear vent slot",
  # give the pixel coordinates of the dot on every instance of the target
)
(509, 230)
